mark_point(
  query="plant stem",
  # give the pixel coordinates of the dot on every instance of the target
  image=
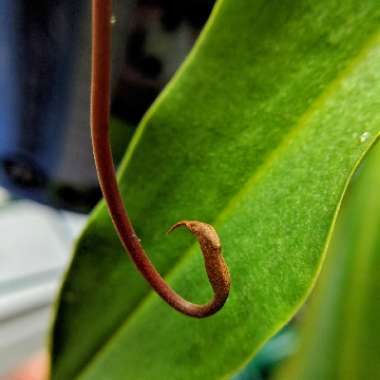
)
(100, 113)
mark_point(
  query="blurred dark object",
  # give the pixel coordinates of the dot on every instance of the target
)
(45, 149)
(160, 35)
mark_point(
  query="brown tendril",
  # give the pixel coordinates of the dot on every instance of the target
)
(216, 267)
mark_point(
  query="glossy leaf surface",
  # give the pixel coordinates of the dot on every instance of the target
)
(258, 134)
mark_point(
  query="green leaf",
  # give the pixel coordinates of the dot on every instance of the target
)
(258, 134)
(341, 333)
(120, 136)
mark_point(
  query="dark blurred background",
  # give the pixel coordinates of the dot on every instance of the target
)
(45, 152)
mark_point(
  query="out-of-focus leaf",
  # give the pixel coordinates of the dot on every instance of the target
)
(341, 333)
(258, 134)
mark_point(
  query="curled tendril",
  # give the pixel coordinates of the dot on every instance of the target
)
(216, 267)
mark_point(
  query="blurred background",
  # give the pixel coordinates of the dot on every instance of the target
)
(48, 183)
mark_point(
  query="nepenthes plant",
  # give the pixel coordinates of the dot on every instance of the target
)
(258, 134)
(100, 114)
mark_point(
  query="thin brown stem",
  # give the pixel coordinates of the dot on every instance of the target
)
(216, 268)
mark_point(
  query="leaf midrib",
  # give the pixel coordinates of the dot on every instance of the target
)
(272, 157)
